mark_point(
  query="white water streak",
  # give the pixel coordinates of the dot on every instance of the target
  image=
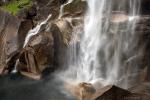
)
(62, 8)
(35, 30)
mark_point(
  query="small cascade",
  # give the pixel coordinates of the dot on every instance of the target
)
(62, 8)
(35, 30)
(15, 69)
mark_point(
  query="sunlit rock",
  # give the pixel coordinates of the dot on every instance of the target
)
(83, 91)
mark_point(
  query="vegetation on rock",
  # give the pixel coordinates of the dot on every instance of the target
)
(16, 5)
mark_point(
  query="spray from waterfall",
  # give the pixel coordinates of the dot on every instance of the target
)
(107, 42)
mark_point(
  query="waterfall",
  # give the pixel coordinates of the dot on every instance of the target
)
(35, 30)
(109, 40)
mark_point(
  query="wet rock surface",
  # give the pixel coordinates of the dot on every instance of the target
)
(37, 55)
(9, 26)
(13, 32)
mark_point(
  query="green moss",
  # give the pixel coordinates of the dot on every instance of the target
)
(14, 6)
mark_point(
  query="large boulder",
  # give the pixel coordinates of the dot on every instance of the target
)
(37, 55)
(61, 31)
(64, 32)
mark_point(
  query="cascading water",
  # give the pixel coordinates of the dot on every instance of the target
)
(31, 33)
(107, 43)
(62, 7)
(35, 30)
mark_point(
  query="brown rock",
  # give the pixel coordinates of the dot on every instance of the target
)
(46, 7)
(75, 8)
(83, 91)
(61, 31)
(115, 93)
(9, 26)
(37, 55)
(142, 88)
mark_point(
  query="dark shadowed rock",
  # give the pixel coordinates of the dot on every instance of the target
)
(13, 32)
(61, 31)
(116, 93)
(9, 26)
(46, 7)
(142, 88)
(63, 1)
(25, 26)
(27, 13)
(3, 2)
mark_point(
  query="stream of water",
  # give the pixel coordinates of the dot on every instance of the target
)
(35, 30)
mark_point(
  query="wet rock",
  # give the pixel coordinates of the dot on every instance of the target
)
(65, 29)
(82, 91)
(37, 55)
(46, 7)
(13, 32)
(9, 26)
(87, 91)
(63, 1)
(142, 88)
(61, 31)
(25, 26)
(75, 8)
(115, 93)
